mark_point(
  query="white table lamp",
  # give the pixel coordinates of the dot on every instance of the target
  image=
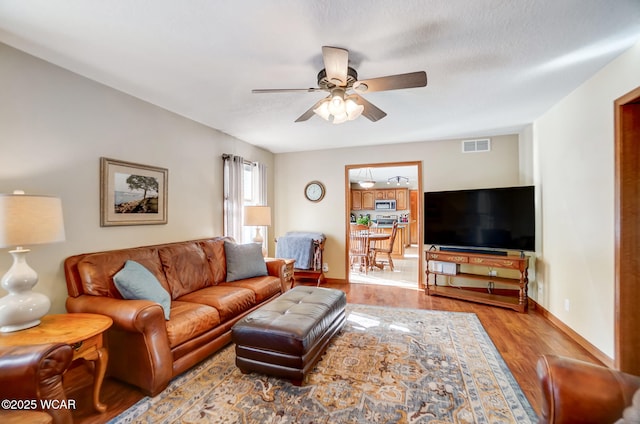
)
(26, 220)
(257, 216)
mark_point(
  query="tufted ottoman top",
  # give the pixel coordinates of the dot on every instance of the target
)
(292, 322)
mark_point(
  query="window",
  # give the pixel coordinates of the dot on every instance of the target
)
(245, 184)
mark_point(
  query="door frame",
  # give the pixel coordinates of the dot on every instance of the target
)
(419, 218)
(627, 232)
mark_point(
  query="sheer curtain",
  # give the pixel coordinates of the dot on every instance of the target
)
(261, 195)
(233, 196)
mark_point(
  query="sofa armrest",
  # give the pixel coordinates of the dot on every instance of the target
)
(128, 315)
(276, 268)
(34, 372)
(577, 391)
(139, 350)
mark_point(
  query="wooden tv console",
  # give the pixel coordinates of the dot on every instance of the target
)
(516, 299)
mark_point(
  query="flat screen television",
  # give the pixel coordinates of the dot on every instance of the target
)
(495, 218)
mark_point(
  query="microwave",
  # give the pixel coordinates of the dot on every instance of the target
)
(385, 205)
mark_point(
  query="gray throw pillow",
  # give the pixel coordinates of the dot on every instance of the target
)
(244, 261)
(134, 281)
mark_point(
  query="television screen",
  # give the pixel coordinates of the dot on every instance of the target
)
(497, 218)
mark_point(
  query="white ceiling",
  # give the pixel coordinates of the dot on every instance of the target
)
(493, 66)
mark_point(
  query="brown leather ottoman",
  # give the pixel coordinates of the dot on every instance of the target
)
(287, 336)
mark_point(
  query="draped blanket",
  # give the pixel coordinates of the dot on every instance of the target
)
(300, 246)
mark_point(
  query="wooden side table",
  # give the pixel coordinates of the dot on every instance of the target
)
(83, 332)
(288, 271)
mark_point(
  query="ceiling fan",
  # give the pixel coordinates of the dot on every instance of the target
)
(341, 81)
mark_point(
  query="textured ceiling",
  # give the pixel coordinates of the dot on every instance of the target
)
(493, 66)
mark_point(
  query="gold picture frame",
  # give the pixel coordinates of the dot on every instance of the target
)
(132, 194)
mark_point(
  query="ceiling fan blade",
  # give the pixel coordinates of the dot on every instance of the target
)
(336, 61)
(285, 90)
(371, 111)
(309, 113)
(392, 82)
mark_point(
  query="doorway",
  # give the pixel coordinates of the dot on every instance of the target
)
(387, 180)
(627, 232)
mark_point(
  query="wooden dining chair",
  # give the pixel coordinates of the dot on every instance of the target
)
(359, 250)
(386, 248)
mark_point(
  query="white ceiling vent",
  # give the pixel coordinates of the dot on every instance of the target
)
(476, 146)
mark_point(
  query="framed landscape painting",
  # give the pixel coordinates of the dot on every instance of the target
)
(132, 194)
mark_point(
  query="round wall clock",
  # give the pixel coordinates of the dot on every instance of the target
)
(314, 191)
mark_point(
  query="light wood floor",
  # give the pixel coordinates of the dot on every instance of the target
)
(404, 273)
(520, 339)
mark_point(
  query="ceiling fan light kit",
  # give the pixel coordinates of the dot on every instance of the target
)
(336, 105)
(338, 78)
(338, 109)
(353, 109)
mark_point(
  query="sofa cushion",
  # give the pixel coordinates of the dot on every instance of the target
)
(134, 281)
(189, 320)
(244, 261)
(214, 251)
(263, 287)
(97, 270)
(186, 268)
(230, 300)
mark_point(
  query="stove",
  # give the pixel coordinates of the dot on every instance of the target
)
(386, 220)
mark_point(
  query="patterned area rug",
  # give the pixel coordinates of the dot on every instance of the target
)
(388, 365)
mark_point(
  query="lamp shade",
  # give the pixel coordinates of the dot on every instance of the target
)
(27, 220)
(257, 215)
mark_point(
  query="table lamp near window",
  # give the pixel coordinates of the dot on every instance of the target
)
(257, 216)
(26, 220)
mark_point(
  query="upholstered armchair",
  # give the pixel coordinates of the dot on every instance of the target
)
(34, 373)
(579, 392)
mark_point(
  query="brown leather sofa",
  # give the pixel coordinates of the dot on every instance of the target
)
(32, 374)
(146, 350)
(579, 392)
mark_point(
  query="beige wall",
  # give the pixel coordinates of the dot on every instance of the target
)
(526, 165)
(54, 127)
(444, 167)
(574, 157)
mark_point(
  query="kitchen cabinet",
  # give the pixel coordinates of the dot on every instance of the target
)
(356, 200)
(385, 194)
(368, 200)
(413, 215)
(365, 199)
(362, 200)
(402, 195)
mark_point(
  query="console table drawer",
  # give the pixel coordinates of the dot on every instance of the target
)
(501, 263)
(445, 257)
